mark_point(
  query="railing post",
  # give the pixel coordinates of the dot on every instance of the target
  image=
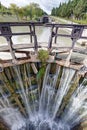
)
(51, 38)
(55, 40)
(31, 33)
(6, 32)
(35, 38)
(76, 34)
(10, 43)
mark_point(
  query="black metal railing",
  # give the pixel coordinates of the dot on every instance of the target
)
(6, 31)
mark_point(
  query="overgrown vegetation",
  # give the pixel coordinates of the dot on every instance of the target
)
(43, 56)
(73, 9)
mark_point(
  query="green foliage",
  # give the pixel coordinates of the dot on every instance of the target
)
(41, 73)
(82, 21)
(76, 9)
(14, 8)
(54, 11)
(43, 55)
(28, 12)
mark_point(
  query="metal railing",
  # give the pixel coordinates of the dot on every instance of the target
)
(6, 31)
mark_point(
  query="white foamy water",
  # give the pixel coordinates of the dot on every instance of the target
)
(45, 116)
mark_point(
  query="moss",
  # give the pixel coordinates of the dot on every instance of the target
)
(43, 56)
(41, 73)
(3, 125)
(59, 77)
(34, 82)
(53, 68)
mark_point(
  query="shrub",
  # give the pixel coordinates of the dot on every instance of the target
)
(43, 55)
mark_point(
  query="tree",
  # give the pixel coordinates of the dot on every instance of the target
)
(32, 11)
(79, 9)
(53, 12)
(75, 8)
(21, 12)
(14, 8)
(63, 10)
(0, 5)
(69, 9)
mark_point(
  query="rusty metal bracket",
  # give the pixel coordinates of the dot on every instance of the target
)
(5, 30)
(77, 32)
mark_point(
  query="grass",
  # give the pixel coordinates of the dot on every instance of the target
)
(8, 18)
(12, 18)
(80, 21)
(58, 20)
(61, 20)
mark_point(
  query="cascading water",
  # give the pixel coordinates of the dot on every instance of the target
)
(43, 107)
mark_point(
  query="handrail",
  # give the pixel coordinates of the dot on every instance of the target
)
(76, 32)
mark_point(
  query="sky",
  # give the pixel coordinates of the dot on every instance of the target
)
(46, 5)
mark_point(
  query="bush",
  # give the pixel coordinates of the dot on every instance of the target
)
(43, 55)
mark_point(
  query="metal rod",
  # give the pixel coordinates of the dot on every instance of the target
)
(55, 40)
(9, 41)
(35, 38)
(51, 38)
(31, 34)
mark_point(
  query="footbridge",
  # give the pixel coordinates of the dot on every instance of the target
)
(74, 32)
